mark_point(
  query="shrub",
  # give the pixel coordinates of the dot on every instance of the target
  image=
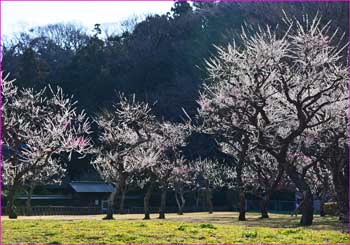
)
(208, 226)
(250, 234)
(289, 231)
(182, 227)
(331, 208)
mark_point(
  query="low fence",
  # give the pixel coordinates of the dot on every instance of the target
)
(251, 205)
(65, 210)
(57, 210)
(140, 210)
(274, 205)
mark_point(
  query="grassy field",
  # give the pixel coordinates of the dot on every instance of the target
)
(220, 227)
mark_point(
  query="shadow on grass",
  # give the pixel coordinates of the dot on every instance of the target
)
(253, 220)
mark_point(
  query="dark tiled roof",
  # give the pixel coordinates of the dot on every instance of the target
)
(87, 186)
(45, 197)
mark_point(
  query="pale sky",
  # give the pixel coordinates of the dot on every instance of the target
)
(20, 16)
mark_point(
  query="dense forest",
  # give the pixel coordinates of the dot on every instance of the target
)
(161, 58)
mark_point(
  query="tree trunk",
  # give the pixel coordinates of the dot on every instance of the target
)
(183, 200)
(208, 195)
(122, 190)
(29, 210)
(267, 194)
(343, 202)
(146, 200)
(122, 201)
(340, 175)
(264, 206)
(344, 211)
(307, 208)
(111, 204)
(239, 170)
(197, 199)
(179, 210)
(241, 205)
(322, 213)
(322, 202)
(11, 209)
(162, 204)
(307, 205)
(180, 202)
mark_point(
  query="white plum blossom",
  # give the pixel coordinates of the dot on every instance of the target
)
(182, 181)
(35, 128)
(156, 161)
(274, 89)
(123, 132)
(210, 175)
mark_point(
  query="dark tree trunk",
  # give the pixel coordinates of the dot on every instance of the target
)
(340, 174)
(344, 211)
(242, 157)
(122, 202)
(180, 202)
(307, 208)
(241, 194)
(242, 210)
(197, 199)
(322, 202)
(111, 204)
(29, 210)
(307, 205)
(342, 200)
(209, 201)
(11, 209)
(162, 204)
(264, 206)
(122, 189)
(146, 200)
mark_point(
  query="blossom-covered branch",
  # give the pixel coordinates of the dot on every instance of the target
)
(34, 129)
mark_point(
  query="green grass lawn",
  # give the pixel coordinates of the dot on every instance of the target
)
(220, 227)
